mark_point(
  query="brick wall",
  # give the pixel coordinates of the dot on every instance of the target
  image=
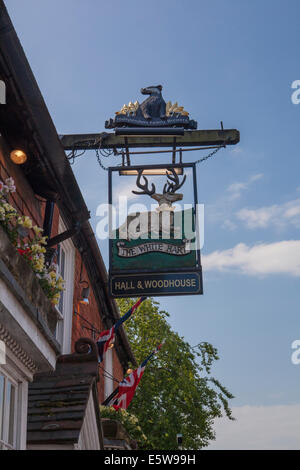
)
(24, 199)
(28, 203)
(90, 312)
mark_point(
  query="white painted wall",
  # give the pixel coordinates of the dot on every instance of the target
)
(89, 435)
(64, 332)
(26, 326)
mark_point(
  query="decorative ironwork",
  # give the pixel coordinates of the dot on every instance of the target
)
(168, 197)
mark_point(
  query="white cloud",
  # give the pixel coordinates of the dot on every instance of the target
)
(224, 206)
(275, 215)
(256, 177)
(229, 225)
(258, 218)
(261, 259)
(259, 427)
(236, 150)
(124, 190)
(235, 189)
(292, 212)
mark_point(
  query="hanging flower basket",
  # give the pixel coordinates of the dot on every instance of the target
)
(32, 249)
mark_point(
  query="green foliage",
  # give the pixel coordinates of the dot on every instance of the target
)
(129, 421)
(176, 393)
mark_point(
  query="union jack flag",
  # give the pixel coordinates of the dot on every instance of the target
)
(107, 337)
(122, 397)
(104, 341)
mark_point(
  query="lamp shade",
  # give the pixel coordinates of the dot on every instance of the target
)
(151, 171)
(85, 296)
(18, 156)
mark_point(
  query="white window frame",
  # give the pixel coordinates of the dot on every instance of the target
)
(66, 316)
(20, 410)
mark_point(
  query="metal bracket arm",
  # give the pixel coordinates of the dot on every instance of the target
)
(64, 236)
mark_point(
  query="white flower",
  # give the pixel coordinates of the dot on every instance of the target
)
(53, 267)
(25, 221)
(10, 185)
(37, 230)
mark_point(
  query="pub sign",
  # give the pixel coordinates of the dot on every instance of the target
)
(155, 251)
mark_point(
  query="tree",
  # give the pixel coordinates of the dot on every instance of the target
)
(176, 393)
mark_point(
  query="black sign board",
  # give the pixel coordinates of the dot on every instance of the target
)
(135, 285)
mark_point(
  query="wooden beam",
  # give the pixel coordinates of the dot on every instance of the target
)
(189, 139)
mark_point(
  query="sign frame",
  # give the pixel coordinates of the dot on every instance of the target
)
(143, 273)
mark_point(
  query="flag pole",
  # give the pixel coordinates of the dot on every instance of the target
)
(116, 391)
(112, 395)
(107, 337)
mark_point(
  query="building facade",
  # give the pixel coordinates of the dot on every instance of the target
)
(34, 332)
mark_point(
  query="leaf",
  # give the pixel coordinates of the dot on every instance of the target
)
(176, 393)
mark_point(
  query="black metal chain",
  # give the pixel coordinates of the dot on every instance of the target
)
(211, 154)
(99, 160)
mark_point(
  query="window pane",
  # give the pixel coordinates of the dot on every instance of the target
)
(61, 302)
(7, 409)
(11, 415)
(62, 260)
(59, 331)
(1, 404)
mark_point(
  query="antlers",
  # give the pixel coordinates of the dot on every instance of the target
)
(170, 187)
(144, 187)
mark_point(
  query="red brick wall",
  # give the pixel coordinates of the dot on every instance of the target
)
(28, 203)
(118, 369)
(91, 313)
(24, 199)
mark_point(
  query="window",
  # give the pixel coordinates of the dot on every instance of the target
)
(65, 261)
(61, 263)
(61, 260)
(8, 412)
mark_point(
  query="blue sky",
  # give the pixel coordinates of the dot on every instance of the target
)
(223, 60)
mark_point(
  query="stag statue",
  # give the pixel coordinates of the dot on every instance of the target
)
(160, 222)
(169, 196)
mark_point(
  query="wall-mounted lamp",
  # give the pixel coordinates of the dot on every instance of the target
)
(84, 298)
(129, 371)
(18, 156)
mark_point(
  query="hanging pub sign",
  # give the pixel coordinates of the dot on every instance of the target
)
(154, 250)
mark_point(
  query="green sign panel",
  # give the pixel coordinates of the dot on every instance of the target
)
(150, 252)
(155, 252)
